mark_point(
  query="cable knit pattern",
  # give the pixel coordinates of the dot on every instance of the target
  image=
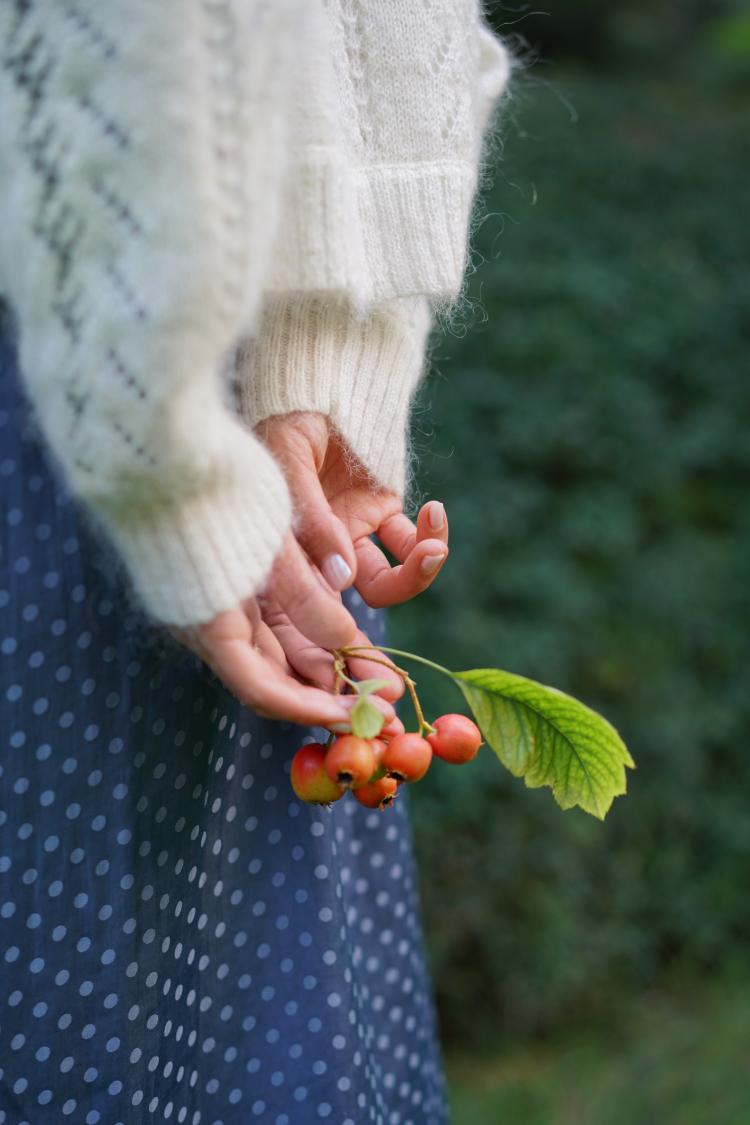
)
(385, 156)
(176, 178)
(141, 150)
(391, 103)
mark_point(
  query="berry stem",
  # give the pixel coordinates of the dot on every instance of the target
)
(356, 649)
(411, 686)
(423, 724)
(341, 676)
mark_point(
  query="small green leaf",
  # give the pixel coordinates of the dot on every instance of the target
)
(548, 738)
(369, 687)
(367, 721)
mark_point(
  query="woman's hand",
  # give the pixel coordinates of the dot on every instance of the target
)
(308, 619)
(243, 651)
(273, 652)
(338, 509)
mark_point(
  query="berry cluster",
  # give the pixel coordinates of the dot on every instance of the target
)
(558, 741)
(373, 768)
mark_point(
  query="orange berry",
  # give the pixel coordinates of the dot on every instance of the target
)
(456, 739)
(350, 761)
(378, 749)
(377, 794)
(407, 757)
(310, 781)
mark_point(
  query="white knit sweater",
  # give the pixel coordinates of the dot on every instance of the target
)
(189, 185)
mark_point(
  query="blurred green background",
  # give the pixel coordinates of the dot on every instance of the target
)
(587, 422)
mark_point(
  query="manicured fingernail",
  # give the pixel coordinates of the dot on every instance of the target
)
(337, 572)
(435, 515)
(430, 563)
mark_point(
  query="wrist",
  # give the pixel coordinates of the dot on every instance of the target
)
(314, 355)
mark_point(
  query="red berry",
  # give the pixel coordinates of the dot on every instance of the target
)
(456, 739)
(350, 761)
(407, 757)
(310, 781)
(378, 749)
(377, 794)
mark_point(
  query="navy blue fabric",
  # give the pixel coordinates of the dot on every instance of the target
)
(180, 939)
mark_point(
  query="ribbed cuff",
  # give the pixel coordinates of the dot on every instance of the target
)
(374, 233)
(202, 555)
(314, 353)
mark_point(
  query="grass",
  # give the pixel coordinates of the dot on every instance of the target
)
(678, 1058)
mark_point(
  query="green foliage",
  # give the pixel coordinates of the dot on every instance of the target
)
(369, 687)
(634, 32)
(675, 1059)
(367, 720)
(591, 444)
(548, 738)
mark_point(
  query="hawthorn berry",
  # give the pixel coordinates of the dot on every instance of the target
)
(377, 794)
(407, 757)
(456, 739)
(350, 761)
(378, 749)
(310, 781)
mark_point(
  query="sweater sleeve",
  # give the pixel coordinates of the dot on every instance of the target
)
(416, 122)
(141, 148)
(317, 352)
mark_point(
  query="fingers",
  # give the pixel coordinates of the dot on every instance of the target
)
(270, 647)
(295, 590)
(422, 550)
(315, 665)
(263, 638)
(262, 685)
(245, 656)
(323, 535)
(432, 522)
(280, 697)
(380, 584)
(308, 660)
(392, 728)
(398, 534)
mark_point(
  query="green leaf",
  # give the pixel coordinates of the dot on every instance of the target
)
(367, 721)
(369, 687)
(548, 738)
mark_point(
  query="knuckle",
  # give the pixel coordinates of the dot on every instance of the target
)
(315, 528)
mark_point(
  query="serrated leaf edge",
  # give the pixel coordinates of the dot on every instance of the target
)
(626, 760)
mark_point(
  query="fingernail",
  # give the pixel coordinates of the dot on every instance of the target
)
(430, 563)
(340, 728)
(435, 515)
(337, 572)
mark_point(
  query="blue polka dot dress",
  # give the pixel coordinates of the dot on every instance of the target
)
(180, 939)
